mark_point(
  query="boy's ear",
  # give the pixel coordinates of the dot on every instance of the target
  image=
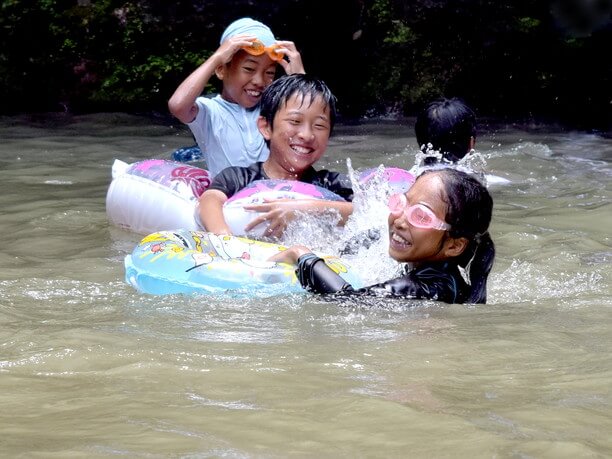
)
(454, 246)
(220, 71)
(264, 127)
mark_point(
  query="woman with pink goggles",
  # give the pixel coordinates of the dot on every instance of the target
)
(440, 227)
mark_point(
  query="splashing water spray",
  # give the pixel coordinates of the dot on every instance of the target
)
(473, 163)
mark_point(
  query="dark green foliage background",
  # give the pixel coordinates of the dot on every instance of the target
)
(530, 60)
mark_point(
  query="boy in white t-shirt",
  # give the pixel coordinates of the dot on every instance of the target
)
(225, 126)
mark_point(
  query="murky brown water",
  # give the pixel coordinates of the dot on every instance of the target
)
(89, 367)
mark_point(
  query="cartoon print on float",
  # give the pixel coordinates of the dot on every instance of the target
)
(165, 263)
(158, 245)
(227, 249)
(336, 266)
(200, 259)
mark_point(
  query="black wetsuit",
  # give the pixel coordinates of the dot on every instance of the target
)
(233, 179)
(440, 281)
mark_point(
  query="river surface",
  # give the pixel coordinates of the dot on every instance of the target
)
(89, 367)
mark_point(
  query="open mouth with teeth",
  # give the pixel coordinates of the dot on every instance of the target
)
(301, 150)
(398, 241)
(253, 93)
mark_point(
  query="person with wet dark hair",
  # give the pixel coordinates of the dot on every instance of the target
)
(307, 87)
(447, 126)
(298, 113)
(446, 132)
(440, 227)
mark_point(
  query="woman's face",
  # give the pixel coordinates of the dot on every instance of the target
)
(408, 243)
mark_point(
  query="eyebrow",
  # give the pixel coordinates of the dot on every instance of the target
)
(298, 112)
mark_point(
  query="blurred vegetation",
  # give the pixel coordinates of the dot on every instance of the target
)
(545, 60)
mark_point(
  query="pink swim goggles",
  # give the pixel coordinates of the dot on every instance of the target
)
(417, 215)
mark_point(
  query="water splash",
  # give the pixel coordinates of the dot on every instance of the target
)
(363, 241)
(524, 281)
(474, 163)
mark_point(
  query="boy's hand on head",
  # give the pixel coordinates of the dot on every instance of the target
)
(229, 47)
(293, 64)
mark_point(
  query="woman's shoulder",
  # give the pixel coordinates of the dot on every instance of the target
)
(441, 281)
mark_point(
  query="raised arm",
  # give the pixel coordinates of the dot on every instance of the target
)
(182, 103)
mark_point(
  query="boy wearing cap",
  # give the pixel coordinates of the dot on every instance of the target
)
(225, 126)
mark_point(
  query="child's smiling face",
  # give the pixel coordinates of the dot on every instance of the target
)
(407, 243)
(300, 132)
(246, 77)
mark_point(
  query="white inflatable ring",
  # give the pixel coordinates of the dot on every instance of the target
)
(259, 192)
(154, 195)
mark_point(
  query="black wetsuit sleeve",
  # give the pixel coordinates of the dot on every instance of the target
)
(341, 185)
(429, 282)
(316, 276)
(227, 181)
(233, 179)
(333, 181)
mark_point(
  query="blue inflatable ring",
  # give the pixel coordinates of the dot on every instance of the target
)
(184, 261)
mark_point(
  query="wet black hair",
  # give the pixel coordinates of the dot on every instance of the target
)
(469, 211)
(448, 125)
(303, 84)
